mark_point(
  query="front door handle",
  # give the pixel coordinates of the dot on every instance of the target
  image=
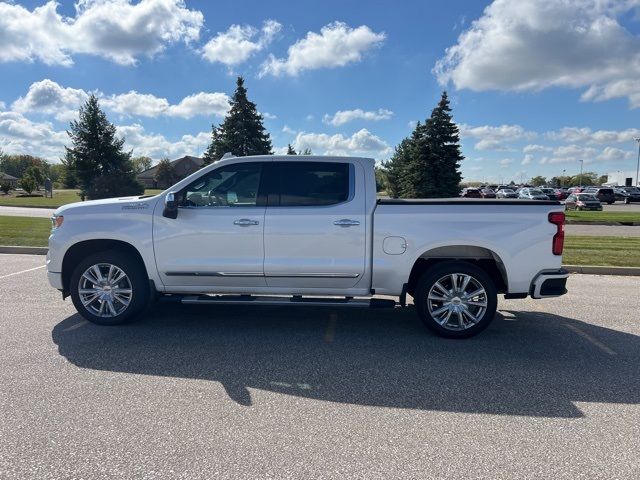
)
(245, 222)
(346, 222)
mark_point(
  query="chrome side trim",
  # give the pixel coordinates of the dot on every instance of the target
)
(260, 274)
(313, 275)
(214, 274)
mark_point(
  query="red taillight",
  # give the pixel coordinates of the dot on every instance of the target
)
(557, 218)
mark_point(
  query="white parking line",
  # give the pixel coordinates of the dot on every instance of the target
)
(23, 271)
(589, 338)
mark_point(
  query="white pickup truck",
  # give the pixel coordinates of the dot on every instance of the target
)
(291, 230)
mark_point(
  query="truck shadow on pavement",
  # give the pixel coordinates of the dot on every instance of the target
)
(526, 363)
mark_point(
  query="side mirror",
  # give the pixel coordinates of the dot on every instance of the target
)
(170, 206)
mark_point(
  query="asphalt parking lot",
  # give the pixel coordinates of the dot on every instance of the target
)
(550, 390)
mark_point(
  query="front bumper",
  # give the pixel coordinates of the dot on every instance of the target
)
(55, 280)
(549, 283)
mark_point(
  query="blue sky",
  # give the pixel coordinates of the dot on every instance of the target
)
(535, 85)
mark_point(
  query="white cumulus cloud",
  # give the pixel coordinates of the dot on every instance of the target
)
(361, 142)
(515, 46)
(19, 135)
(336, 45)
(587, 135)
(200, 104)
(48, 97)
(344, 116)
(239, 42)
(119, 30)
(158, 146)
(495, 137)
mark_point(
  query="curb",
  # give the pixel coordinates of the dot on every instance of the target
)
(602, 270)
(25, 250)
(42, 207)
(609, 224)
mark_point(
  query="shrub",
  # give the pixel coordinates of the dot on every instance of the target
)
(5, 187)
(113, 185)
(28, 184)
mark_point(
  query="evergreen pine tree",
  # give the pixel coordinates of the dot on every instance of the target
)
(103, 169)
(433, 170)
(290, 150)
(396, 166)
(242, 132)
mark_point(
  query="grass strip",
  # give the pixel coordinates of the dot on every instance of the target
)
(24, 231)
(60, 197)
(603, 216)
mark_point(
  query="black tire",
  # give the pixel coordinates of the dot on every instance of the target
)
(626, 200)
(137, 280)
(444, 269)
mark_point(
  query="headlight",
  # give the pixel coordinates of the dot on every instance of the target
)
(56, 221)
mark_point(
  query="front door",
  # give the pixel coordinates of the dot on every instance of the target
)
(217, 239)
(315, 226)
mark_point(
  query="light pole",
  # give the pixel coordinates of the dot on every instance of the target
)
(562, 179)
(638, 165)
(581, 165)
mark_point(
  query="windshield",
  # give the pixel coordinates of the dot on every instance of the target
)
(506, 190)
(536, 191)
(586, 196)
(547, 190)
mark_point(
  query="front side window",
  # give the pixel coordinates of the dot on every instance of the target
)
(232, 186)
(304, 184)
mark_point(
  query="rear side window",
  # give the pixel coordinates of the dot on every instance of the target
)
(305, 184)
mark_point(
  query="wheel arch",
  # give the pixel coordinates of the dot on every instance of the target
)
(80, 250)
(483, 257)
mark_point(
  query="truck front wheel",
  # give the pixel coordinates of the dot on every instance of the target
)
(109, 288)
(456, 299)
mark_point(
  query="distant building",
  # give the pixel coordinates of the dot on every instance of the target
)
(182, 167)
(10, 179)
(624, 179)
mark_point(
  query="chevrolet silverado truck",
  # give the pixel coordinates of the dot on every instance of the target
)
(285, 230)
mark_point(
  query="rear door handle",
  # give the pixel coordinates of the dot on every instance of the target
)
(346, 222)
(245, 222)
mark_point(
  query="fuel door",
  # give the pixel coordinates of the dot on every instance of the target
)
(394, 245)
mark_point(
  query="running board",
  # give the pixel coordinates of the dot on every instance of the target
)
(298, 301)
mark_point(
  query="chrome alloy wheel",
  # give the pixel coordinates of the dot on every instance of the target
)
(105, 290)
(457, 301)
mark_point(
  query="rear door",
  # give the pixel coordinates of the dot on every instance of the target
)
(315, 225)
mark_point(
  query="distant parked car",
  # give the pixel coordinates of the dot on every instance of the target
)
(533, 194)
(471, 193)
(582, 201)
(632, 194)
(549, 192)
(561, 193)
(487, 193)
(506, 193)
(605, 195)
(576, 189)
(620, 194)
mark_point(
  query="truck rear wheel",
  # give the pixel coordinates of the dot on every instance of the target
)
(456, 299)
(109, 288)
